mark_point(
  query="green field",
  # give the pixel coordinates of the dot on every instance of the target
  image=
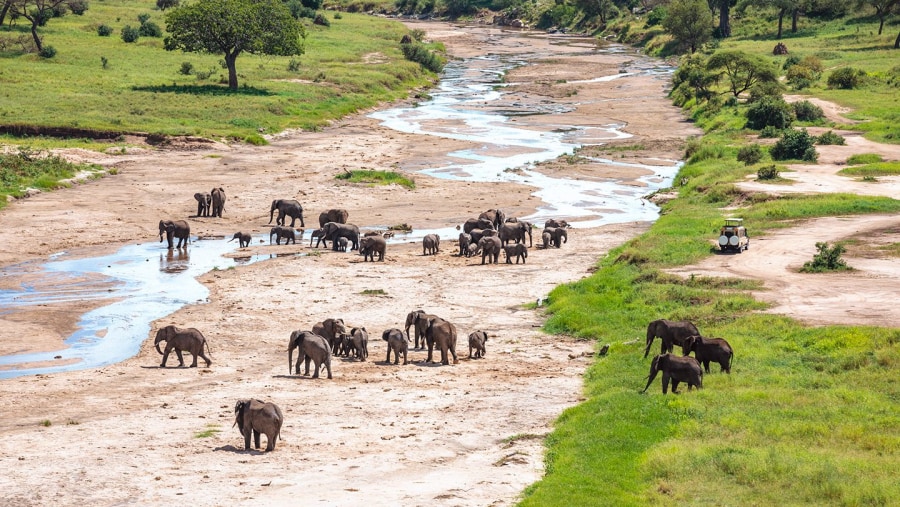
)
(102, 83)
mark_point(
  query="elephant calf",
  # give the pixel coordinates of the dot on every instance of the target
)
(431, 244)
(177, 339)
(255, 417)
(282, 232)
(243, 239)
(372, 245)
(398, 342)
(342, 244)
(709, 349)
(358, 343)
(477, 340)
(310, 346)
(517, 250)
(678, 369)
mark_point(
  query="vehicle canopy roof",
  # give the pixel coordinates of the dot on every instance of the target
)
(734, 222)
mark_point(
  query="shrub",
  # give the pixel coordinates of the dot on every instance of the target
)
(130, 34)
(767, 89)
(42, 16)
(864, 158)
(421, 55)
(769, 172)
(293, 65)
(150, 29)
(417, 34)
(59, 10)
(769, 111)
(187, 68)
(795, 144)
(104, 30)
(893, 76)
(692, 146)
(800, 77)
(78, 6)
(321, 20)
(337, 15)
(770, 132)
(846, 78)
(47, 51)
(750, 154)
(143, 18)
(827, 259)
(657, 15)
(830, 138)
(165, 4)
(805, 110)
(457, 7)
(256, 140)
(790, 61)
(707, 152)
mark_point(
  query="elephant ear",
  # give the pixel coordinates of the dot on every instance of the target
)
(239, 408)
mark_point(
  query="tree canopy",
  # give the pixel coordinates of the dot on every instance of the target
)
(743, 70)
(37, 12)
(689, 21)
(232, 27)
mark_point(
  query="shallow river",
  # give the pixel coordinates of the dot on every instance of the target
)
(145, 282)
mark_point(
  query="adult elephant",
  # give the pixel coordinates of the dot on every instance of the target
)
(338, 216)
(370, 246)
(671, 332)
(708, 350)
(515, 232)
(560, 236)
(177, 339)
(397, 341)
(334, 230)
(287, 233)
(310, 346)
(477, 223)
(496, 217)
(333, 330)
(677, 369)
(175, 228)
(218, 202)
(419, 320)
(253, 417)
(431, 244)
(490, 249)
(203, 203)
(441, 334)
(552, 222)
(286, 207)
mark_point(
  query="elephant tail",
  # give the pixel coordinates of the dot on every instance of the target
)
(206, 342)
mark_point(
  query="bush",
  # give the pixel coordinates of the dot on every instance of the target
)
(421, 55)
(768, 89)
(770, 132)
(750, 154)
(893, 76)
(47, 51)
(165, 4)
(830, 138)
(78, 6)
(337, 15)
(769, 172)
(827, 259)
(657, 15)
(769, 112)
(150, 29)
(299, 10)
(795, 145)
(293, 65)
(143, 18)
(457, 7)
(321, 20)
(130, 34)
(187, 68)
(864, 158)
(846, 78)
(805, 110)
(790, 61)
(104, 30)
(42, 16)
(801, 77)
(59, 10)
(256, 140)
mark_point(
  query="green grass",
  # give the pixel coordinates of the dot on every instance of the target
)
(353, 65)
(373, 292)
(377, 178)
(210, 431)
(35, 169)
(864, 158)
(876, 169)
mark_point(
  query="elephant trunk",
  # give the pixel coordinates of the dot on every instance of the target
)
(651, 377)
(290, 359)
(157, 347)
(272, 212)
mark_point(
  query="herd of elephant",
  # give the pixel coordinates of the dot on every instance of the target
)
(327, 339)
(492, 232)
(684, 368)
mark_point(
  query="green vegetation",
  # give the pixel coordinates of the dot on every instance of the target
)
(377, 178)
(142, 90)
(373, 292)
(826, 259)
(210, 431)
(34, 169)
(864, 158)
(876, 169)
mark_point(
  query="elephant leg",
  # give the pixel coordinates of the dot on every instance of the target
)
(247, 439)
(306, 361)
(665, 382)
(453, 353)
(165, 356)
(180, 359)
(270, 442)
(674, 386)
(388, 358)
(318, 365)
(194, 363)
(328, 367)
(293, 220)
(256, 438)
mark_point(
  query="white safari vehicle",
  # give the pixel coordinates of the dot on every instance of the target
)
(733, 235)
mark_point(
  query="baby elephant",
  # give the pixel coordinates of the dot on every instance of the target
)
(357, 343)
(708, 350)
(477, 340)
(255, 417)
(242, 237)
(282, 232)
(517, 250)
(342, 244)
(431, 244)
(398, 342)
(177, 339)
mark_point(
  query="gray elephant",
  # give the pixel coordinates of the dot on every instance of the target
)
(678, 369)
(477, 234)
(398, 342)
(670, 332)
(518, 250)
(218, 202)
(560, 236)
(477, 223)
(463, 242)
(372, 245)
(333, 330)
(342, 244)
(286, 207)
(419, 320)
(334, 230)
(177, 228)
(496, 217)
(319, 236)
(477, 339)
(287, 233)
(709, 349)
(547, 238)
(177, 339)
(556, 223)
(338, 216)
(490, 249)
(243, 239)
(358, 342)
(431, 244)
(515, 232)
(310, 346)
(203, 203)
(441, 334)
(255, 417)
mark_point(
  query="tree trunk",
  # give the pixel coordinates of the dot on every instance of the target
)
(35, 36)
(794, 16)
(6, 5)
(780, 21)
(897, 42)
(881, 25)
(724, 14)
(232, 71)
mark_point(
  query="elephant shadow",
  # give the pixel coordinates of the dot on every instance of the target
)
(296, 377)
(239, 450)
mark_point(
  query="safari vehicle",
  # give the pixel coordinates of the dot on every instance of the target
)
(733, 235)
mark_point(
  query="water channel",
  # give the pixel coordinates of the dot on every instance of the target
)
(145, 282)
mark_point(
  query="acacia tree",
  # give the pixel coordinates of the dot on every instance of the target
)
(883, 9)
(232, 27)
(37, 12)
(3, 10)
(689, 21)
(742, 70)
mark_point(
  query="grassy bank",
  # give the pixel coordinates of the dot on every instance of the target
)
(102, 83)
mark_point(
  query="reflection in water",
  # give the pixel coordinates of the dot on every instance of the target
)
(175, 260)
